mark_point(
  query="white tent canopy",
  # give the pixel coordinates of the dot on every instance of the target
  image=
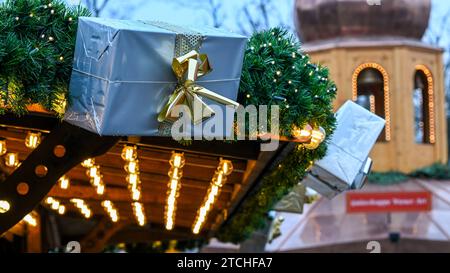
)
(326, 222)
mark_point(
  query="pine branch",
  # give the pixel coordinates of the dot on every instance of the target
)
(36, 52)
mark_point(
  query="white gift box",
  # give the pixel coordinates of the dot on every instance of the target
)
(347, 162)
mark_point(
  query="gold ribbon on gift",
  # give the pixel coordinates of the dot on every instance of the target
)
(188, 68)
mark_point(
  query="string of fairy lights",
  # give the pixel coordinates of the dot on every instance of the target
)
(95, 175)
(130, 156)
(223, 170)
(387, 111)
(175, 173)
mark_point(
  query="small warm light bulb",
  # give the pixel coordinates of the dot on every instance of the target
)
(87, 214)
(100, 189)
(304, 134)
(129, 153)
(61, 210)
(106, 204)
(30, 220)
(136, 195)
(88, 163)
(317, 137)
(4, 206)
(177, 160)
(227, 167)
(3, 149)
(132, 179)
(132, 167)
(96, 181)
(196, 229)
(93, 171)
(64, 182)
(55, 205)
(12, 160)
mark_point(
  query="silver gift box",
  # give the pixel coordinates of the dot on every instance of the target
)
(347, 163)
(122, 74)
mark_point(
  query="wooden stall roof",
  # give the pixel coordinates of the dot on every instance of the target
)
(202, 159)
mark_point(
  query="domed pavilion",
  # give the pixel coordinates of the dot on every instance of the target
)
(377, 59)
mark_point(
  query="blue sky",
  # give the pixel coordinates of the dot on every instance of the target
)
(195, 12)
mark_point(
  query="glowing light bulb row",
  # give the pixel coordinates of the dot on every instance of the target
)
(175, 173)
(55, 205)
(64, 182)
(134, 186)
(81, 205)
(431, 113)
(129, 154)
(96, 177)
(223, 170)
(139, 212)
(111, 210)
(30, 220)
(387, 114)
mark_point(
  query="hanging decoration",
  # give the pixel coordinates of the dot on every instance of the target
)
(223, 170)
(175, 173)
(188, 68)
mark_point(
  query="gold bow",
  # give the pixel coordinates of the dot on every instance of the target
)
(188, 68)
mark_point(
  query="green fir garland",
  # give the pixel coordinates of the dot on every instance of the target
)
(37, 40)
(277, 72)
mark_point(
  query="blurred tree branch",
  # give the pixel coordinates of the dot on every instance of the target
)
(257, 15)
(96, 6)
(116, 9)
(214, 8)
(439, 35)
